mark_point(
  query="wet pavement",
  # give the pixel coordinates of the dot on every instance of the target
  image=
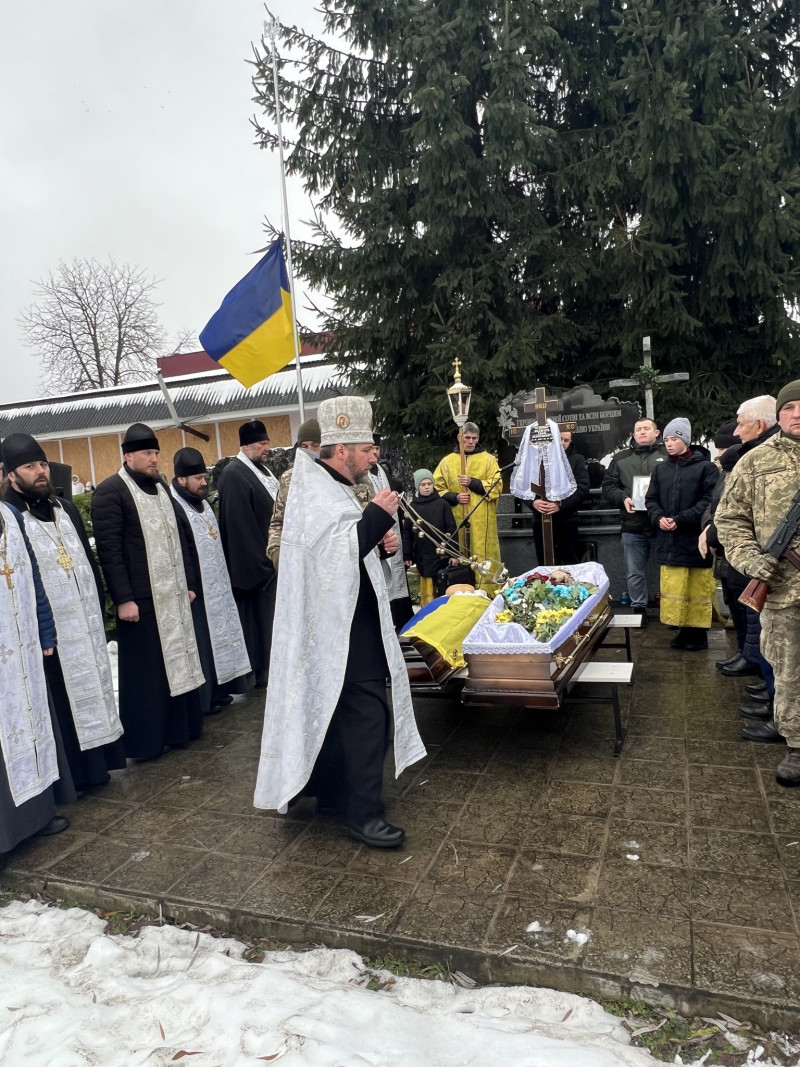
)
(670, 875)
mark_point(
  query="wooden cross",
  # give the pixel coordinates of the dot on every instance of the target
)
(542, 435)
(7, 571)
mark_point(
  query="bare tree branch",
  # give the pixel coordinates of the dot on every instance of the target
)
(93, 325)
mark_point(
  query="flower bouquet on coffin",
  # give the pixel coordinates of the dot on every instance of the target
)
(538, 611)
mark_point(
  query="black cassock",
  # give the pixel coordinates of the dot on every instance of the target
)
(89, 768)
(245, 511)
(151, 718)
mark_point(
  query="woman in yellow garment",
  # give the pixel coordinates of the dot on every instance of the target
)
(481, 485)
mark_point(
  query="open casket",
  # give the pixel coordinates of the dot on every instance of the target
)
(506, 665)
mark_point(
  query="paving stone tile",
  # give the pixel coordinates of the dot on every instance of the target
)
(235, 798)
(719, 753)
(784, 815)
(471, 868)
(725, 781)
(440, 786)
(642, 948)
(555, 878)
(142, 826)
(192, 793)
(789, 850)
(492, 821)
(714, 729)
(322, 844)
(509, 933)
(408, 864)
(643, 889)
(575, 834)
(662, 844)
(217, 879)
(593, 769)
(747, 813)
(93, 813)
(652, 774)
(572, 798)
(714, 849)
(93, 862)
(154, 869)
(361, 902)
(128, 787)
(748, 963)
(669, 749)
(39, 853)
(738, 899)
(425, 818)
(599, 745)
(441, 916)
(201, 829)
(648, 805)
(655, 726)
(289, 891)
(259, 839)
(466, 755)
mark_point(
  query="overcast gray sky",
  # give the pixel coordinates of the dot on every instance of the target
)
(124, 132)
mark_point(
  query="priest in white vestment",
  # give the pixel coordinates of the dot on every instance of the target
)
(150, 577)
(327, 720)
(28, 751)
(218, 629)
(79, 671)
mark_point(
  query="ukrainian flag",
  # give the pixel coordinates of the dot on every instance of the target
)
(251, 335)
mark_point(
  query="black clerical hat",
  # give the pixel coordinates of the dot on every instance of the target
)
(139, 438)
(21, 448)
(252, 432)
(188, 461)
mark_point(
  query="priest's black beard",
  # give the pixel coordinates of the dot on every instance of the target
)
(37, 492)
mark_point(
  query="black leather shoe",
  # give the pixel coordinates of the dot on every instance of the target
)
(378, 833)
(680, 639)
(740, 668)
(727, 662)
(761, 697)
(638, 609)
(756, 711)
(762, 731)
(57, 825)
(754, 688)
(696, 646)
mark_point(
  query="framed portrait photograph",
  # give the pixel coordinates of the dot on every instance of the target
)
(641, 483)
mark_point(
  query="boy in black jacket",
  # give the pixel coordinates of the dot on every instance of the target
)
(421, 550)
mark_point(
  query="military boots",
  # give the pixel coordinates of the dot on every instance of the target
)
(788, 772)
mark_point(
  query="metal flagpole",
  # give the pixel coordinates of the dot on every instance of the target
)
(271, 30)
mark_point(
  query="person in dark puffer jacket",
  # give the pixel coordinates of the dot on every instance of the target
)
(680, 491)
(646, 450)
(421, 551)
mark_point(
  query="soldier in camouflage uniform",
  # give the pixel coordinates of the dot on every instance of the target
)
(758, 495)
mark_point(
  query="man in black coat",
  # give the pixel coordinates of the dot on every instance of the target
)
(680, 491)
(148, 569)
(566, 543)
(48, 521)
(247, 492)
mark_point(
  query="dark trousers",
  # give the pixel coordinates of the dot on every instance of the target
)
(348, 773)
(738, 612)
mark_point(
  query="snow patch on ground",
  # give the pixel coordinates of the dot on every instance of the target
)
(72, 995)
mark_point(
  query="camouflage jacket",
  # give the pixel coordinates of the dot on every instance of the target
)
(364, 492)
(757, 495)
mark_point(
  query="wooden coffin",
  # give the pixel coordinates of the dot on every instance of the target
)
(536, 680)
(428, 672)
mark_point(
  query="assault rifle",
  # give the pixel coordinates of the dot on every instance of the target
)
(778, 547)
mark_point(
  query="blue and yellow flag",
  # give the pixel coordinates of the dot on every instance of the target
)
(251, 335)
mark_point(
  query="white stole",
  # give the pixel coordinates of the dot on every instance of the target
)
(394, 569)
(227, 640)
(318, 583)
(82, 645)
(559, 481)
(26, 731)
(168, 584)
(267, 478)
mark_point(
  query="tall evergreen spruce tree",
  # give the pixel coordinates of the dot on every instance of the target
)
(533, 186)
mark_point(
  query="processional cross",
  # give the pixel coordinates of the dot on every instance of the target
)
(542, 435)
(680, 376)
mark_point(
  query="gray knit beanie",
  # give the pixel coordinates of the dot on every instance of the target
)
(420, 476)
(679, 428)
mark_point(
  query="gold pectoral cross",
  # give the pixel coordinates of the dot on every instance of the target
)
(7, 571)
(64, 559)
(211, 531)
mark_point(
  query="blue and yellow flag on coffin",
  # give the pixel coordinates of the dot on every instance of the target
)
(252, 335)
